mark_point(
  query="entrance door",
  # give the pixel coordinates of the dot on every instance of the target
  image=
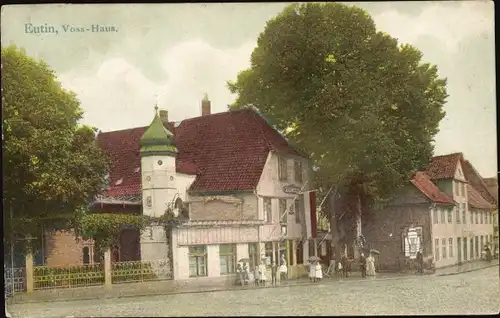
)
(459, 249)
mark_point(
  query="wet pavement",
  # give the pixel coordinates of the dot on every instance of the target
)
(474, 292)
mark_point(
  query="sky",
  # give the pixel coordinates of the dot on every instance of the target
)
(171, 54)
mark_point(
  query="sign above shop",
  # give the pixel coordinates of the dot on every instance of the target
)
(291, 189)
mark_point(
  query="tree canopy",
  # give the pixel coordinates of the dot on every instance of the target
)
(364, 106)
(52, 166)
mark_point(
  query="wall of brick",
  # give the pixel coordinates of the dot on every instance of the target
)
(62, 248)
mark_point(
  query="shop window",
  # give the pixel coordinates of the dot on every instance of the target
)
(197, 261)
(227, 257)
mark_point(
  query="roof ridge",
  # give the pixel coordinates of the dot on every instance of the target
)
(449, 155)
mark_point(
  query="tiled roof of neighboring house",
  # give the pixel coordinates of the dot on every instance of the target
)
(477, 182)
(476, 200)
(227, 152)
(443, 167)
(423, 182)
(492, 184)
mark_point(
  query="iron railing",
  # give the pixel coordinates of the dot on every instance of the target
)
(140, 271)
(70, 276)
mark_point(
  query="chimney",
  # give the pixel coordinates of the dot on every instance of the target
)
(164, 116)
(205, 106)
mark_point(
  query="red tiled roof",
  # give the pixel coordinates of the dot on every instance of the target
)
(227, 151)
(476, 200)
(476, 181)
(422, 181)
(443, 167)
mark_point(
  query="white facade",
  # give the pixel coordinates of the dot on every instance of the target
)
(246, 223)
(453, 229)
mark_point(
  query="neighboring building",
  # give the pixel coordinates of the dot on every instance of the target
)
(492, 184)
(235, 174)
(447, 212)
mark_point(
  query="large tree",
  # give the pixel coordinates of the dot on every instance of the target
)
(365, 107)
(51, 164)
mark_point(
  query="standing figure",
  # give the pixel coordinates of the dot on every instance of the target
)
(370, 265)
(257, 275)
(420, 261)
(312, 271)
(362, 265)
(283, 268)
(262, 274)
(246, 271)
(318, 271)
(239, 270)
(274, 273)
(345, 265)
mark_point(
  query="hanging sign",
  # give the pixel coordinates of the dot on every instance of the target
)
(291, 189)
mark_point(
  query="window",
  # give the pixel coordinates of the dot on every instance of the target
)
(297, 169)
(471, 217)
(227, 257)
(450, 216)
(197, 261)
(457, 214)
(299, 208)
(436, 249)
(300, 252)
(482, 242)
(311, 248)
(476, 245)
(435, 216)
(471, 248)
(283, 213)
(443, 216)
(477, 217)
(464, 216)
(86, 255)
(462, 189)
(268, 211)
(282, 169)
(450, 246)
(412, 241)
(443, 246)
(481, 217)
(268, 250)
(465, 248)
(456, 188)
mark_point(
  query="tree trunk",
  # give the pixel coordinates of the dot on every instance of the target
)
(335, 243)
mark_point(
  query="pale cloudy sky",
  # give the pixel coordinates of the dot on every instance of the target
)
(180, 51)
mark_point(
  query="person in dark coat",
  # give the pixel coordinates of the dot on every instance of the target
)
(345, 265)
(420, 261)
(362, 265)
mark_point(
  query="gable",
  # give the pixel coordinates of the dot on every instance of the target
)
(459, 173)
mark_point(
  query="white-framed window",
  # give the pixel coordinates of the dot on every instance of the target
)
(227, 258)
(462, 189)
(464, 214)
(443, 247)
(481, 216)
(283, 212)
(450, 215)
(282, 169)
(471, 213)
(477, 217)
(298, 206)
(268, 210)
(412, 240)
(435, 216)
(436, 249)
(197, 260)
(455, 183)
(450, 246)
(457, 214)
(297, 170)
(443, 216)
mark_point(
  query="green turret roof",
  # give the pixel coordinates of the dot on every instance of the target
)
(157, 140)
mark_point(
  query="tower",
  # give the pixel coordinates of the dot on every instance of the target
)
(158, 153)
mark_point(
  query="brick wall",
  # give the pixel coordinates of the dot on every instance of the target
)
(62, 248)
(385, 231)
(218, 208)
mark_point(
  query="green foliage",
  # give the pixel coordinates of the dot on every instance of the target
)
(77, 275)
(365, 108)
(52, 165)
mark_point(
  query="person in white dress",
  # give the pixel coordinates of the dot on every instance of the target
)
(318, 271)
(262, 273)
(370, 265)
(283, 268)
(312, 271)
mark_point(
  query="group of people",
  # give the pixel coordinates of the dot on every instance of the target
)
(260, 274)
(488, 256)
(367, 265)
(315, 271)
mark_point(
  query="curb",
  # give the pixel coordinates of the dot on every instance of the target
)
(466, 271)
(306, 283)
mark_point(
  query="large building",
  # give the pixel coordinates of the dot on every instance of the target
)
(492, 184)
(447, 211)
(243, 187)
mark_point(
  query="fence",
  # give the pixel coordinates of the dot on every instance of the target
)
(15, 280)
(140, 271)
(37, 278)
(45, 277)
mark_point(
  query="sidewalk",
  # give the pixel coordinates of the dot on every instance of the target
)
(206, 285)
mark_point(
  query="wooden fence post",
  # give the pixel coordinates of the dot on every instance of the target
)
(29, 272)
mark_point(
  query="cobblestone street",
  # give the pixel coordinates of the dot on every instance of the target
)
(468, 293)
